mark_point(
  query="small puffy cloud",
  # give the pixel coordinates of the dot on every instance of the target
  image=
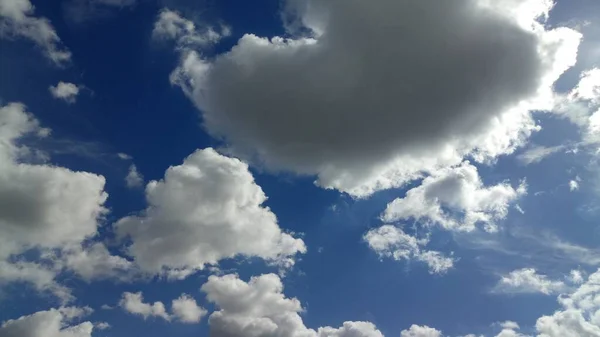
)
(326, 105)
(207, 209)
(420, 331)
(102, 326)
(573, 185)
(50, 323)
(186, 310)
(17, 20)
(65, 91)
(391, 242)
(537, 153)
(134, 178)
(71, 313)
(527, 280)
(124, 156)
(133, 303)
(576, 276)
(455, 199)
(259, 308)
(170, 25)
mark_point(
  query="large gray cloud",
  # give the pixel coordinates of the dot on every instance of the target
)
(381, 90)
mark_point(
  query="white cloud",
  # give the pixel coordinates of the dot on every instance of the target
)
(455, 199)
(205, 210)
(124, 156)
(326, 105)
(172, 26)
(527, 280)
(186, 310)
(391, 242)
(574, 185)
(41, 206)
(576, 276)
(259, 308)
(65, 91)
(582, 105)
(537, 153)
(134, 178)
(420, 331)
(102, 326)
(50, 323)
(134, 303)
(96, 262)
(17, 20)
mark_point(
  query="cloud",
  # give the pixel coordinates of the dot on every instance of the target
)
(186, 310)
(582, 105)
(17, 20)
(170, 25)
(455, 199)
(65, 91)
(259, 308)
(42, 205)
(95, 262)
(326, 105)
(580, 313)
(41, 277)
(205, 210)
(391, 242)
(133, 303)
(50, 323)
(134, 178)
(421, 331)
(537, 153)
(102, 326)
(574, 184)
(527, 280)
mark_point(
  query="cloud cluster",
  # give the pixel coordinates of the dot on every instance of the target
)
(207, 209)
(48, 208)
(391, 242)
(361, 121)
(17, 20)
(259, 308)
(184, 308)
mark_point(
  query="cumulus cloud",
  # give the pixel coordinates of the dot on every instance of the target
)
(326, 105)
(527, 280)
(102, 326)
(96, 262)
(50, 323)
(170, 25)
(17, 20)
(134, 178)
(65, 91)
(456, 199)
(259, 308)
(42, 205)
(420, 331)
(186, 310)
(207, 209)
(134, 303)
(574, 184)
(391, 242)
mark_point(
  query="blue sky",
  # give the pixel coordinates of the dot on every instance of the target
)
(299, 168)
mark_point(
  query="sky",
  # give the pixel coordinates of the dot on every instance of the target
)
(299, 168)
